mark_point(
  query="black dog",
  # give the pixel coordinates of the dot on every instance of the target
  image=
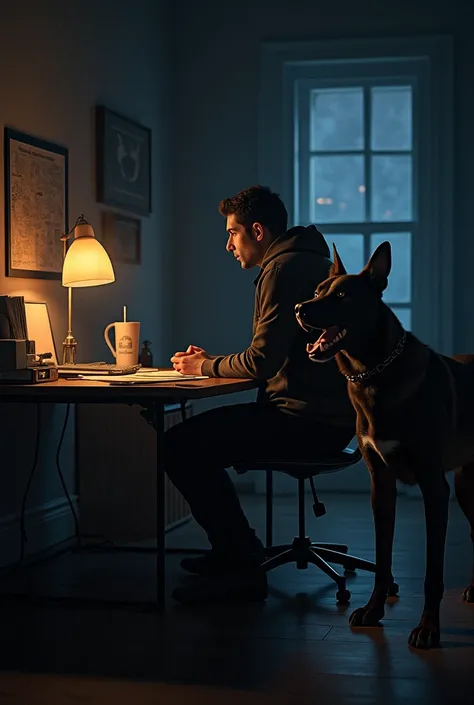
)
(415, 420)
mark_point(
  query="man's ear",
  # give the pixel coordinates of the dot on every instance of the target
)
(379, 265)
(258, 231)
(337, 267)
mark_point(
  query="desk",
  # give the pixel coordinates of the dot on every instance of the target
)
(67, 391)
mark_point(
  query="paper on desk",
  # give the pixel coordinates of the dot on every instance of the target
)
(150, 377)
(159, 374)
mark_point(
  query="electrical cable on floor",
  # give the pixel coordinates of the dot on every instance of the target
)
(23, 532)
(61, 476)
(79, 536)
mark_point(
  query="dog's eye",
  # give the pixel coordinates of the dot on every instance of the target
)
(316, 294)
(341, 294)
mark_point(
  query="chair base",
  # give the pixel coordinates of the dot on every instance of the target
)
(340, 547)
(304, 552)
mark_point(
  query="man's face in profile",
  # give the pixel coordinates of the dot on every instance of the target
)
(242, 243)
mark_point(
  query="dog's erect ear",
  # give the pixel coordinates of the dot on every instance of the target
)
(337, 267)
(379, 265)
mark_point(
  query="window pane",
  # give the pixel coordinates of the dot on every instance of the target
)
(351, 250)
(391, 118)
(399, 281)
(403, 315)
(337, 119)
(391, 188)
(337, 189)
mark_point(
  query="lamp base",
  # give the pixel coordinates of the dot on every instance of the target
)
(69, 350)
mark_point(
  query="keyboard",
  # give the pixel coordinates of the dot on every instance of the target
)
(95, 368)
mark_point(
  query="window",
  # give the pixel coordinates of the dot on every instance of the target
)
(356, 135)
(354, 159)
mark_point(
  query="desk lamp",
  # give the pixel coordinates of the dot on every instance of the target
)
(86, 263)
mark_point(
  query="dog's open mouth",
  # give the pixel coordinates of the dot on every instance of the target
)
(328, 344)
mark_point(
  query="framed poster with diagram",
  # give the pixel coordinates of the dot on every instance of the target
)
(123, 156)
(36, 206)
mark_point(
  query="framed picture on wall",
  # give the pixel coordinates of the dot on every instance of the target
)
(123, 161)
(121, 236)
(36, 206)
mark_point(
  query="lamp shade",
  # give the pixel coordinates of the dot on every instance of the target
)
(87, 262)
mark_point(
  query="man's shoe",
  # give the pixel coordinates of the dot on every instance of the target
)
(217, 563)
(211, 563)
(248, 585)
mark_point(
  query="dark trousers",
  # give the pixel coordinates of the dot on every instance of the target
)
(198, 450)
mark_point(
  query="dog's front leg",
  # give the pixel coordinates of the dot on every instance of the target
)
(435, 490)
(384, 499)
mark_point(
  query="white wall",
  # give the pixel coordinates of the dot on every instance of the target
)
(57, 60)
(215, 85)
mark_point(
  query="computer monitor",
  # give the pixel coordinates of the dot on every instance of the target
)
(39, 328)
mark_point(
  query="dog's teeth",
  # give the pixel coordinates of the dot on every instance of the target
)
(336, 339)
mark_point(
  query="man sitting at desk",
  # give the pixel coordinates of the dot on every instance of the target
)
(302, 409)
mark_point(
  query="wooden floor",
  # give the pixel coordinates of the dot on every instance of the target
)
(296, 648)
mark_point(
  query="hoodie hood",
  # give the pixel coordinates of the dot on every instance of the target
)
(297, 239)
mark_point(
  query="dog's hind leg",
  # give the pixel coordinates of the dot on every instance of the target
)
(435, 490)
(464, 486)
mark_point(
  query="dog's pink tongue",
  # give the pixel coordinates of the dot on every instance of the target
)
(329, 335)
(312, 347)
(326, 337)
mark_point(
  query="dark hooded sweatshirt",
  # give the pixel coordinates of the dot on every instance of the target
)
(293, 266)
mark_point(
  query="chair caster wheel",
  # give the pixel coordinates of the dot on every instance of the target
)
(319, 509)
(343, 597)
(393, 590)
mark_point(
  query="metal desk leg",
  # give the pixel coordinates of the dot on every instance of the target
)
(159, 414)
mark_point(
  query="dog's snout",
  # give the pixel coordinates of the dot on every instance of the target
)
(299, 310)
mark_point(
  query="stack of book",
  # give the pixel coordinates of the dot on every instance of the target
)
(13, 318)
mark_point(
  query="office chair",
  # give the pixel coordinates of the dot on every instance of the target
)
(303, 551)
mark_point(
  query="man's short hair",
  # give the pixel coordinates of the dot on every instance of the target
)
(257, 204)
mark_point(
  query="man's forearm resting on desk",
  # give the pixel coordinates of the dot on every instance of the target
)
(273, 337)
(274, 333)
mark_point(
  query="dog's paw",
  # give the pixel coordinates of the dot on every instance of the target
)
(468, 593)
(424, 636)
(367, 616)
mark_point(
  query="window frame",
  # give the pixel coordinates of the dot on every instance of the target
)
(366, 79)
(428, 63)
(302, 143)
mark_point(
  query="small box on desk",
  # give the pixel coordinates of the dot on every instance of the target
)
(30, 375)
(12, 354)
